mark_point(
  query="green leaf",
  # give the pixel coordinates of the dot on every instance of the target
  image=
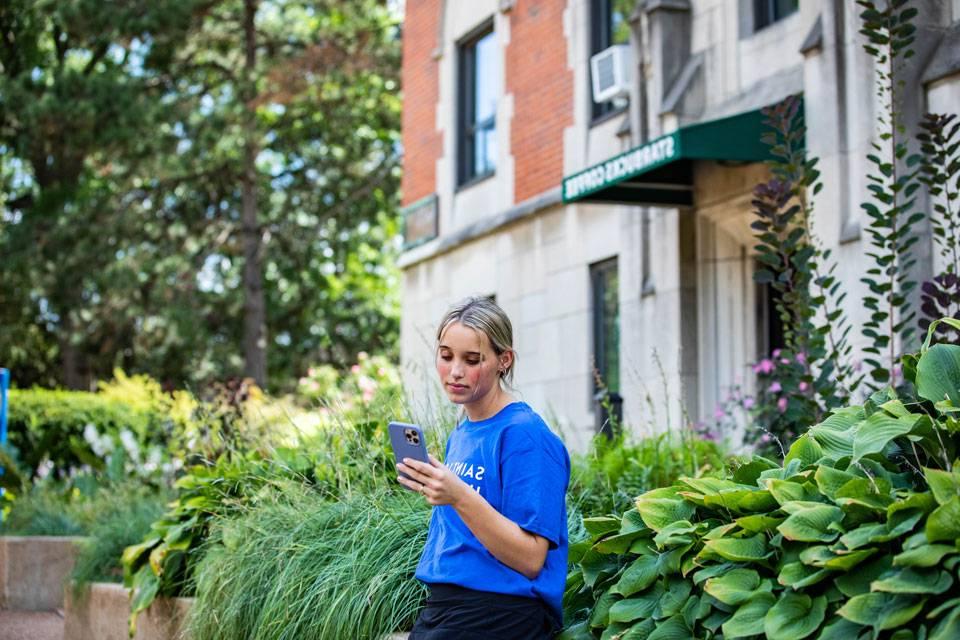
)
(806, 449)
(638, 576)
(601, 526)
(640, 631)
(600, 616)
(876, 432)
(661, 507)
(914, 581)
(642, 606)
(735, 587)
(927, 555)
(881, 610)
(858, 582)
(794, 616)
(840, 629)
(829, 480)
(938, 374)
(673, 629)
(751, 549)
(812, 524)
(596, 566)
(747, 620)
(944, 484)
(948, 628)
(797, 575)
(944, 522)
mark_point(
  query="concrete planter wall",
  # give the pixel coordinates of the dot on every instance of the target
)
(100, 612)
(33, 570)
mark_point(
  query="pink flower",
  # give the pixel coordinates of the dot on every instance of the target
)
(775, 388)
(765, 437)
(748, 402)
(803, 386)
(776, 353)
(764, 366)
(784, 361)
(801, 357)
(381, 372)
(718, 413)
(355, 369)
(782, 405)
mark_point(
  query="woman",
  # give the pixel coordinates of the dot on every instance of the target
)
(496, 553)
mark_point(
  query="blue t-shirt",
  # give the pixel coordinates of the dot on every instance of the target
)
(522, 469)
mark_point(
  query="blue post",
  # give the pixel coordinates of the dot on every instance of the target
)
(4, 386)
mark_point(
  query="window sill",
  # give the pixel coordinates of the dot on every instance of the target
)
(475, 180)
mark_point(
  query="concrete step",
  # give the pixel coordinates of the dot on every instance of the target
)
(30, 625)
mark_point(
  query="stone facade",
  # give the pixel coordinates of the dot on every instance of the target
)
(689, 327)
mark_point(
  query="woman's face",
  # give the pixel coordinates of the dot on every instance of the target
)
(468, 367)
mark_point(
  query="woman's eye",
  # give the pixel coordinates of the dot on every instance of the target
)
(473, 363)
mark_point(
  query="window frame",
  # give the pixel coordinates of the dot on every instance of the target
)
(601, 37)
(467, 126)
(599, 272)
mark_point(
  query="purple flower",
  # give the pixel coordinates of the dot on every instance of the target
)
(803, 386)
(775, 388)
(748, 402)
(776, 353)
(801, 357)
(765, 438)
(782, 405)
(718, 413)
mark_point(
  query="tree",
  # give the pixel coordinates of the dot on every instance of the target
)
(272, 138)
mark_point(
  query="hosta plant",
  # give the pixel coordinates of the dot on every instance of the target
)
(855, 535)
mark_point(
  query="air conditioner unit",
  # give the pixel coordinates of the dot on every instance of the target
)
(610, 70)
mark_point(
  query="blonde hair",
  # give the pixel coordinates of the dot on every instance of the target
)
(485, 316)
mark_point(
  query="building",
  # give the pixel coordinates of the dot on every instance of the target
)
(616, 234)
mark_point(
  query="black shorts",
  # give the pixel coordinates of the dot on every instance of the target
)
(453, 612)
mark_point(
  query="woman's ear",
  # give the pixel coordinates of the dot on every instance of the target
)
(506, 361)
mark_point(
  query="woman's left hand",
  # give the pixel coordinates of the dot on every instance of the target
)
(434, 481)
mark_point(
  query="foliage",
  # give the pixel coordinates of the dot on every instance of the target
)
(940, 173)
(66, 432)
(811, 372)
(854, 534)
(123, 518)
(125, 137)
(615, 470)
(890, 33)
(52, 507)
(370, 387)
(297, 565)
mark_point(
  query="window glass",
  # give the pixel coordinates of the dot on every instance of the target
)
(478, 87)
(606, 323)
(766, 12)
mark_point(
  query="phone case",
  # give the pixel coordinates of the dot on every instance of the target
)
(408, 442)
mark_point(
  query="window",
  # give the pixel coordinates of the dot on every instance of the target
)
(477, 107)
(606, 324)
(769, 324)
(608, 26)
(766, 12)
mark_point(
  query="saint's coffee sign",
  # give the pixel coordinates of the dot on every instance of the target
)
(622, 167)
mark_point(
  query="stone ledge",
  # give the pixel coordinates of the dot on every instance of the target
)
(34, 569)
(100, 610)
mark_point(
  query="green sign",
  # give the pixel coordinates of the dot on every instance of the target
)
(622, 167)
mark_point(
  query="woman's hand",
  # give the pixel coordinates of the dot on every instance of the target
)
(434, 481)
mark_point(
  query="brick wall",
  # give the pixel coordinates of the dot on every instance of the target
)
(422, 142)
(542, 86)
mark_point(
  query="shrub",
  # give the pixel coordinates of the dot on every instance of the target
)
(123, 518)
(616, 470)
(297, 566)
(854, 535)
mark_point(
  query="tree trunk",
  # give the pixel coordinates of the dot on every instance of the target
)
(254, 308)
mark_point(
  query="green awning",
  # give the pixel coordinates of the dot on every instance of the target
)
(660, 172)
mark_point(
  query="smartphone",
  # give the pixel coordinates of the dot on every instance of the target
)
(408, 442)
